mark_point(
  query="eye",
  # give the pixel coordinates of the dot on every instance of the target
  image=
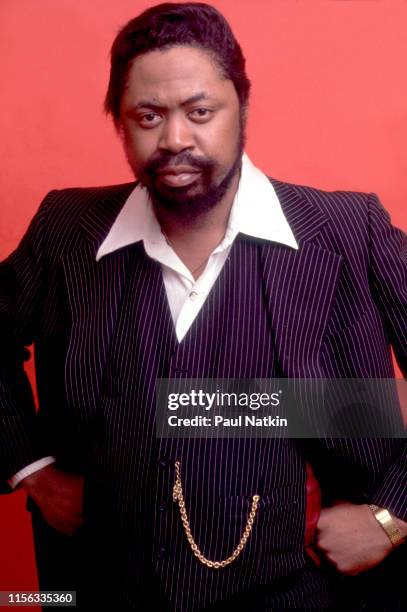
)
(201, 115)
(149, 120)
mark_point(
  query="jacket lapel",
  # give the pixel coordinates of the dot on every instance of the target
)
(99, 216)
(299, 286)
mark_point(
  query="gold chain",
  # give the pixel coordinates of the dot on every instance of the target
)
(177, 495)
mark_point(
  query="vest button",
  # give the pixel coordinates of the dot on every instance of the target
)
(164, 462)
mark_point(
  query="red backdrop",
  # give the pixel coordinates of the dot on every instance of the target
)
(328, 109)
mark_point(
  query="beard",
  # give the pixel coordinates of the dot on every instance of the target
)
(195, 199)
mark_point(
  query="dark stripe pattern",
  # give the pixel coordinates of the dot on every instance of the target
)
(103, 333)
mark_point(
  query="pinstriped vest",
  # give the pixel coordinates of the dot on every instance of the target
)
(231, 337)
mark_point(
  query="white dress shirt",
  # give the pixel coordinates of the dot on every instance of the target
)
(256, 211)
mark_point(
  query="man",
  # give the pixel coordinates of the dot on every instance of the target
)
(205, 268)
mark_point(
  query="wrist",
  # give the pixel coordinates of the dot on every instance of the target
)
(33, 483)
(395, 529)
(402, 525)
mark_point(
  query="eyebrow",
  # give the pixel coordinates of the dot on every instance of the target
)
(202, 95)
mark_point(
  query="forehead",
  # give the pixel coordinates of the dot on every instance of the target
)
(173, 75)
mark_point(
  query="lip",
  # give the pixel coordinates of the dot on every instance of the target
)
(178, 170)
(178, 176)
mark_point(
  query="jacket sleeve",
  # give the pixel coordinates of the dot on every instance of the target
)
(388, 266)
(373, 470)
(23, 277)
(388, 277)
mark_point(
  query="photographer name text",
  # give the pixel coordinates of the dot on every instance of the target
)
(220, 421)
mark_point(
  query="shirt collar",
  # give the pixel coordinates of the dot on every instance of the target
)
(256, 211)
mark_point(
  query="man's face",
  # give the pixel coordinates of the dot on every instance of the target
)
(182, 128)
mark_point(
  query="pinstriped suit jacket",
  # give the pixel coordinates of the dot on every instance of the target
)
(336, 304)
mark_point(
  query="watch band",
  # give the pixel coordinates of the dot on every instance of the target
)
(389, 525)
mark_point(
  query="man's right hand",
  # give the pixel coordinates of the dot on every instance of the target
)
(58, 495)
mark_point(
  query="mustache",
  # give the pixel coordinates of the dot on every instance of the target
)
(164, 160)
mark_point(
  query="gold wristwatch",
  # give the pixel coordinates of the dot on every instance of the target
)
(388, 524)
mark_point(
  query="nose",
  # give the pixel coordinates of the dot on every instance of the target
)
(176, 134)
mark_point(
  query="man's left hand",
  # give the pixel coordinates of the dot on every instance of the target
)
(349, 536)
